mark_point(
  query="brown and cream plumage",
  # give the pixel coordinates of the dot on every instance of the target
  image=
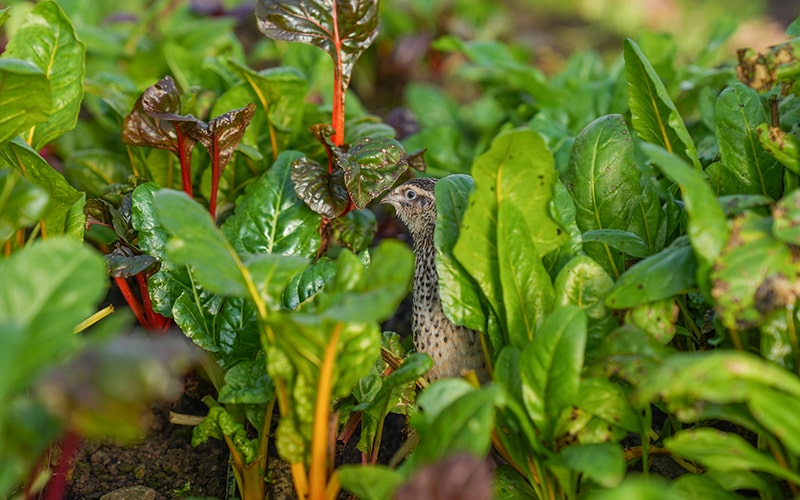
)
(453, 348)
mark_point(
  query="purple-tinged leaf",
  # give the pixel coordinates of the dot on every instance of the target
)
(356, 230)
(323, 192)
(123, 263)
(371, 166)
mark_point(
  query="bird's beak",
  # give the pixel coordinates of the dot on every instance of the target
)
(392, 198)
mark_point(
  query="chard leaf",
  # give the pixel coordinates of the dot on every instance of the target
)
(356, 230)
(25, 97)
(22, 203)
(745, 166)
(665, 274)
(47, 39)
(324, 192)
(603, 463)
(221, 136)
(343, 29)
(269, 218)
(371, 166)
(247, 382)
(654, 115)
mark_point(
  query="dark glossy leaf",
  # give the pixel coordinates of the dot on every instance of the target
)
(723, 451)
(22, 203)
(371, 166)
(356, 230)
(607, 188)
(668, 273)
(222, 134)
(654, 115)
(708, 230)
(551, 365)
(343, 29)
(46, 290)
(369, 482)
(460, 295)
(324, 192)
(124, 264)
(745, 167)
(65, 212)
(247, 382)
(48, 39)
(25, 97)
(269, 218)
(197, 242)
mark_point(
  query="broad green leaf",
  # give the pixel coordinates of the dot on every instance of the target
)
(435, 399)
(462, 426)
(516, 171)
(726, 452)
(778, 413)
(94, 170)
(371, 166)
(65, 212)
(511, 485)
(785, 217)
(46, 290)
(305, 285)
(637, 488)
(751, 276)
(624, 241)
(271, 273)
(584, 283)
(48, 39)
(196, 241)
(783, 146)
(528, 294)
(460, 295)
(342, 29)
(708, 230)
(247, 382)
(25, 97)
(607, 188)
(745, 167)
(668, 273)
(658, 318)
(654, 115)
(22, 203)
(369, 482)
(269, 218)
(551, 365)
(601, 414)
(603, 463)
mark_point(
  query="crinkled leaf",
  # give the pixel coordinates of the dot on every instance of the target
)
(745, 167)
(344, 29)
(726, 452)
(371, 166)
(48, 39)
(65, 212)
(220, 424)
(197, 242)
(551, 365)
(22, 203)
(356, 230)
(247, 382)
(324, 192)
(25, 97)
(269, 218)
(665, 274)
(460, 295)
(609, 194)
(654, 115)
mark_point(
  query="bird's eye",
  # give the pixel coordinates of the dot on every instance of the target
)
(411, 194)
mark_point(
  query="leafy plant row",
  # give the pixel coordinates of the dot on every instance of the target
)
(627, 243)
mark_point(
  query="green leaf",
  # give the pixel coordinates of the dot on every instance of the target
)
(655, 117)
(47, 39)
(25, 97)
(342, 29)
(219, 423)
(94, 170)
(725, 452)
(369, 482)
(197, 242)
(551, 365)
(47, 289)
(603, 463)
(305, 285)
(271, 273)
(269, 218)
(460, 295)
(21, 202)
(323, 191)
(607, 188)
(785, 217)
(778, 413)
(708, 230)
(783, 146)
(511, 485)
(371, 166)
(247, 382)
(668, 273)
(356, 230)
(65, 214)
(517, 172)
(745, 167)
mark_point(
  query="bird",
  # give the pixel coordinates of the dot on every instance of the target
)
(455, 349)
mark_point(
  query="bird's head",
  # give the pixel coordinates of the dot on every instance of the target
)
(415, 204)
